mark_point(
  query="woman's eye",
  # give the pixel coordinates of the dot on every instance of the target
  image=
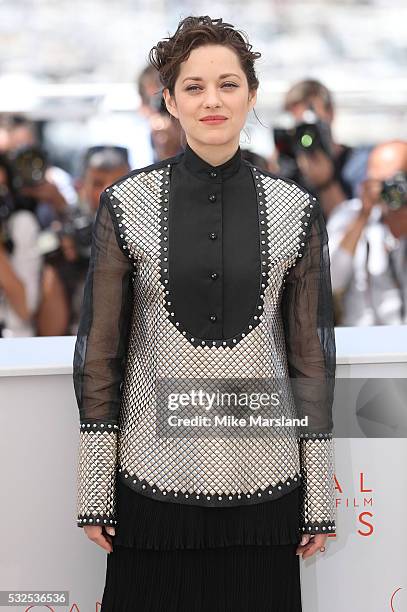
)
(195, 87)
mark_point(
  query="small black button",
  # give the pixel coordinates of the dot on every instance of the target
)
(212, 197)
(213, 236)
(213, 174)
(214, 275)
(213, 318)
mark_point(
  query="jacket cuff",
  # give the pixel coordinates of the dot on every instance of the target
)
(96, 486)
(317, 491)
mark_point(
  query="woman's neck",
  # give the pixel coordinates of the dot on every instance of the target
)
(214, 154)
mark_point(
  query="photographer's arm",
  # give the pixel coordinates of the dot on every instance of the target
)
(344, 237)
(48, 192)
(319, 171)
(330, 196)
(13, 287)
(20, 270)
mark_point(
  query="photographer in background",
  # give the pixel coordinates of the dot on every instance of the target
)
(166, 135)
(101, 166)
(20, 259)
(50, 186)
(368, 244)
(70, 237)
(307, 152)
(130, 130)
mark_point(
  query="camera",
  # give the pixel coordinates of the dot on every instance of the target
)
(28, 164)
(79, 227)
(394, 191)
(306, 136)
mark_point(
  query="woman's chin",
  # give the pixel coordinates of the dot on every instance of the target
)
(215, 137)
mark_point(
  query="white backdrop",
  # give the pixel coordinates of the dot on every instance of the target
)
(362, 570)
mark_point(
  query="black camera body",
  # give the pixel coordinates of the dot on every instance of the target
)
(79, 227)
(306, 136)
(394, 191)
(29, 164)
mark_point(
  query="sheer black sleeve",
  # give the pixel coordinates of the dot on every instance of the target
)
(307, 310)
(98, 368)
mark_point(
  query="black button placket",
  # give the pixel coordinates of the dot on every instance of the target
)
(215, 253)
(214, 239)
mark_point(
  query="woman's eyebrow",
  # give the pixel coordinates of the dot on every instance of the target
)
(221, 76)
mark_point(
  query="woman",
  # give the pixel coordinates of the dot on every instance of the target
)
(206, 274)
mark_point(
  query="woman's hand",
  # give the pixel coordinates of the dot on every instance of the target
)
(97, 535)
(309, 545)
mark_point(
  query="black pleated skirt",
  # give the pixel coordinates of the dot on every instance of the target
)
(232, 578)
(148, 523)
(174, 557)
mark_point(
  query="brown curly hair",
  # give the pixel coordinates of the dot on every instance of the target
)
(192, 32)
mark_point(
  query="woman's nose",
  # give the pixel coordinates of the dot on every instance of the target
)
(212, 96)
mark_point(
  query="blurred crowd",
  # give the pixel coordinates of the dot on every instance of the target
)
(47, 213)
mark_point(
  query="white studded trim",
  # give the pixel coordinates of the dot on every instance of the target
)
(95, 520)
(314, 528)
(142, 486)
(99, 426)
(310, 212)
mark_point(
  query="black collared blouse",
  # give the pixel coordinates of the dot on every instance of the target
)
(215, 263)
(215, 245)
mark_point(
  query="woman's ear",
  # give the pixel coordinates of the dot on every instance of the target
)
(252, 98)
(169, 103)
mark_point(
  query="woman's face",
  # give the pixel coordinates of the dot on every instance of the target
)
(211, 82)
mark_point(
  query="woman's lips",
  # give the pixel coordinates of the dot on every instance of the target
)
(214, 121)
